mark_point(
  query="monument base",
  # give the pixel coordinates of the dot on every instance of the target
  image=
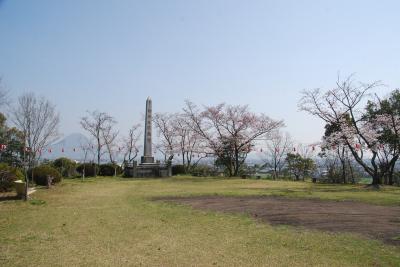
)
(147, 160)
(147, 170)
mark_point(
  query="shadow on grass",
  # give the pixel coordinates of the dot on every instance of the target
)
(197, 179)
(9, 197)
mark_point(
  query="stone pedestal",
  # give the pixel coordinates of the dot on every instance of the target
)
(147, 160)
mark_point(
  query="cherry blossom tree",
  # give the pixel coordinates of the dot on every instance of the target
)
(336, 150)
(164, 123)
(178, 138)
(110, 141)
(386, 114)
(229, 131)
(341, 107)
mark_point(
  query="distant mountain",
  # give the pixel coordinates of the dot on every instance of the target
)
(69, 147)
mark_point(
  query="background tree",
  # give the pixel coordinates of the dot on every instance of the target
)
(299, 166)
(130, 144)
(229, 131)
(278, 146)
(95, 123)
(38, 121)
(110, 141)
(87, 149)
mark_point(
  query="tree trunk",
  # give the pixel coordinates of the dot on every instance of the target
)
(391, 170)
(390, 177)
(236, 163)
(373, 172)
(386, 179)
(189, 162)
(98, 155)
(342, 159)
(26, 184)
(184, 161)
(343, 171)
(376, 179)
(351, 172)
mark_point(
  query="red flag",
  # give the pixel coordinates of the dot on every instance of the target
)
(49, 150)
(74, 149)
(261, 150)
(62, 150)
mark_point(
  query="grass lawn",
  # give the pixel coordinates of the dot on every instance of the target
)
(113, 222)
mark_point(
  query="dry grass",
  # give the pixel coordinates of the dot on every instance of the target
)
(113, 222)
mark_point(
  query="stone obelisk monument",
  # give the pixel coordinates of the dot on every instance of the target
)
(147, 167)
(147, 151)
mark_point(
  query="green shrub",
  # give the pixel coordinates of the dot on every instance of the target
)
(7, 177)
(41, 172)
(178, 169)
(89, 168)
(109, 169)
(65, 166)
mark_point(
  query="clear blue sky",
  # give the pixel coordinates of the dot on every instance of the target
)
(111, 55)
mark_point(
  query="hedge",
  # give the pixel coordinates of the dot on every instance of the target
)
(109, 169)
(90, 169)
(41, 172)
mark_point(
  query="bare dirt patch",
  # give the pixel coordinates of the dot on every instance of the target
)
(374, 221)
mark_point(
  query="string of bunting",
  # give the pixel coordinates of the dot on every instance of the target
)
(319, 147)
(313, 148)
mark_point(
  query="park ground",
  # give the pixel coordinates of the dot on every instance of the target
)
(186, 221)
